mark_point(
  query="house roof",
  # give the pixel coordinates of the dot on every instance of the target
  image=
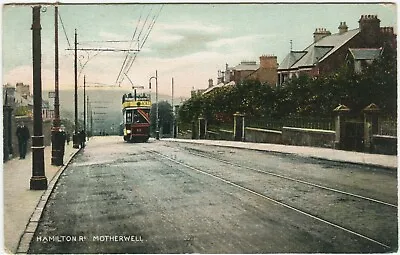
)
(366, 54)
(291, 59)
(320, 50)
(19, 99)
(246, 66)
(219, 86)
(313, 56)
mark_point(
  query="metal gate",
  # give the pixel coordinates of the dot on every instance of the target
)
(354, 136)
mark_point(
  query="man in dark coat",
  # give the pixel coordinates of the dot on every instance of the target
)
(23, 137)
(82, 138)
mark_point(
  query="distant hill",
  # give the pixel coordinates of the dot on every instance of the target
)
(106, 105)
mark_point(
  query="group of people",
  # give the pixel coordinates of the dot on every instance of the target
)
(23, 137)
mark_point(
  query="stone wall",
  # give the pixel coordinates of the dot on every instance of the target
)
(308, 137)
(383, 144)
(259, 135)
(220, 134)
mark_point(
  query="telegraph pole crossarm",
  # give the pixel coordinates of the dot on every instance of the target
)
(105, 49)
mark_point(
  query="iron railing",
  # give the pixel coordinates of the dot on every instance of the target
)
(298, 122)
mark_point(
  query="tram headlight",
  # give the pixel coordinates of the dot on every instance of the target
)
(128, 131)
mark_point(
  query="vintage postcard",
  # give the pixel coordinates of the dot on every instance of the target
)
(208, 127)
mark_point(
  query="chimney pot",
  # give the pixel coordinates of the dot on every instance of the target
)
(321, 33)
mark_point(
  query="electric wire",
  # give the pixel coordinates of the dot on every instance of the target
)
(140, 46)
(133, 36)
(65, 32)
(146, 35)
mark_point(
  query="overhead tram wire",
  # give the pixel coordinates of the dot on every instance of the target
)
(133, 37)
(130, 57)
(65, 32)
(147, 35)
(147, 32)
(150, 28)
(66, 35)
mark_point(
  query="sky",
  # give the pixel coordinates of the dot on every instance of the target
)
(188, 42)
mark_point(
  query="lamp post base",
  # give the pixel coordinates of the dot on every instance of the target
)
(75, 140)
(157, 135)
(57, 150)
(38, 183)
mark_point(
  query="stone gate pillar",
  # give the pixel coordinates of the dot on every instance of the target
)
(238, 127)
(194, 130)
(371, 116)
(202, 127)
(340, 130)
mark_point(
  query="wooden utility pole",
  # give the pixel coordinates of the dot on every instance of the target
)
(173, 110)
(84, 110)
(76, 136)
(57, 140)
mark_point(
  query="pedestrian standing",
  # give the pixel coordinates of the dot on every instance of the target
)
(82, 138)
(23, 137)
(63, 138)
(67, 137)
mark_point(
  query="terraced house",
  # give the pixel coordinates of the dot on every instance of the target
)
(329, 51)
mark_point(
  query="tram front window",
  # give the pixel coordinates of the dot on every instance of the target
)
(133, 116)
(128, 117)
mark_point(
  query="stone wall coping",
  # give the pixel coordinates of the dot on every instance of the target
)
(386, 136)
(212, 132)
(224, 130)
(264, 130)
(311, 130)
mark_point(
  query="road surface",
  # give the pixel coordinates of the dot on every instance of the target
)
(168, 197)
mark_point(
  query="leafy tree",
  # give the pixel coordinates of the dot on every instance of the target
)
(302, 96)
(165, 115)
(22, 111)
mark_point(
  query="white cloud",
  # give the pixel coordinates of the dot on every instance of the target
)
(191, 26)
(237, 41)
(166, 38)
(109, 35)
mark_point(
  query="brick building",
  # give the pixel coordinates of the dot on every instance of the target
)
(329, 51)
(265, 71)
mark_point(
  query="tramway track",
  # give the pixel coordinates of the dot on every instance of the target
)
(273, 200)
(293, 179)
(253, 192)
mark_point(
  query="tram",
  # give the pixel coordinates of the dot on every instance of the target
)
(136, 117)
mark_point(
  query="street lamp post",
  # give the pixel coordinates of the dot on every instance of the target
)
(173, 110)
(84, 112)
(38, 180)
(157, 119)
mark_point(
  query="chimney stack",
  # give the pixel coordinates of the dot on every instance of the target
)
(320, 33)
(370, 30)
(210, 83)
(343, 28)
(268, 61)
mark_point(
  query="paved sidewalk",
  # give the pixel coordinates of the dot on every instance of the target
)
(386, 161)
(19, 201)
